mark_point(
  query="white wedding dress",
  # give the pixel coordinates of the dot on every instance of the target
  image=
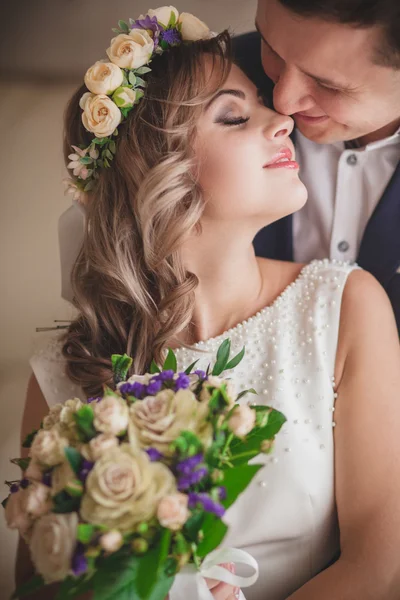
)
(287, 517)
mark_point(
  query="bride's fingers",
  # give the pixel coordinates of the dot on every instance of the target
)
(223, 591)
(213, 583)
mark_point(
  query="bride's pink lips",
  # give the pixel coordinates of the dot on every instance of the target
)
(282, 160)
(309, 119)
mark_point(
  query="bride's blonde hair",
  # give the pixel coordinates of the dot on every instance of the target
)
(130, 287)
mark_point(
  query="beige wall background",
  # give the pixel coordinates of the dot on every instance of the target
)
(45, 48)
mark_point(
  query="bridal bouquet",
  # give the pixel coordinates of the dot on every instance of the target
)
(124, 492)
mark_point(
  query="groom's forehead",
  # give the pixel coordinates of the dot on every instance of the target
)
(315, 44)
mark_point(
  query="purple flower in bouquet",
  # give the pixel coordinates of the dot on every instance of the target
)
(93, 399)
(206, 502)
(14, 488)
(182, 382)
(201, 374)
(46, 479)
(186, 481)
(153, 387)
(79, 561)
(133, 389)
(167, 375)
(86, 467)
(154, 454)
(186, 466)
(150, 24)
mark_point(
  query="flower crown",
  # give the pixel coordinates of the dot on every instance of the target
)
(116, 85)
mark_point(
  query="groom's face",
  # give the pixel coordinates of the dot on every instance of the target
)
(326, 76)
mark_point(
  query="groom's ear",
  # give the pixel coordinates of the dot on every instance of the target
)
(247, 55)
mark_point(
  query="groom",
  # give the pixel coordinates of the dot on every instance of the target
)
(334, 65)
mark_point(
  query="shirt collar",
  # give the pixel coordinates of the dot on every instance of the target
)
(387, 141)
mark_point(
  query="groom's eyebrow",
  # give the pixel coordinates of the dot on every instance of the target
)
(235, 93)
(323, 80)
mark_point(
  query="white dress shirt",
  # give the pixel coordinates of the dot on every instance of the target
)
(344, 187)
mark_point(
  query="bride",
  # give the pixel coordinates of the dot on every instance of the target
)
(200, 166)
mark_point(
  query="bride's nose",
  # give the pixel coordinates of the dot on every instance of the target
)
(279, 126)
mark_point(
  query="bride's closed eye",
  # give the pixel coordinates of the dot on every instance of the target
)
(232, 121)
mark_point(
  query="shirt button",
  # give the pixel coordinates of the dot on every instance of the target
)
(343, 246)
(352, 160)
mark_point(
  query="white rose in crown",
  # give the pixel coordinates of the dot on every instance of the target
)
(192, 29)
(111, 415)
(103, 78)
(163, 14)
(124, 97)
(131, 51)
(124, 489)
(52, 545)
(101, 115)
(48, 447)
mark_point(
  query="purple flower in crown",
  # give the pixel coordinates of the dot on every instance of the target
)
(153, 387)
(172, 37)
(133, 389)
(152, 25)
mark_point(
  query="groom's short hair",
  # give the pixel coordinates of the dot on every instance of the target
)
(360, 13)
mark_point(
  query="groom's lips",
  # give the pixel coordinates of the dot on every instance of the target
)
(309, 119)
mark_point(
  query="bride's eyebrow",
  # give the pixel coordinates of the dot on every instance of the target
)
(233, 92)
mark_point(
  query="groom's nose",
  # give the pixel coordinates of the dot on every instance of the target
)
(291, 93)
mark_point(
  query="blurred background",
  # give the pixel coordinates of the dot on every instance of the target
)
(45, 48)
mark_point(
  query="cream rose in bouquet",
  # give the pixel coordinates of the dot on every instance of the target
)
(122, 493)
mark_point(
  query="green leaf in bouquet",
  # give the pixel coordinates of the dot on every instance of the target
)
(222, 357)
(152, 581)
(235, 360)
(187, 444)
(4, 502)
(191, 367)
(120, 363)
(22, 463)
(84, 417)
(123, 26)
(74, 458)
(172, 20)
(72, 587)
(250, 391)
(154, 368)
(29, 587)
(85, 532)
(114, 577)
(64, 503)
(170, 363)
(236, 480)
(214, 532)
(194, 524)
(27, 443)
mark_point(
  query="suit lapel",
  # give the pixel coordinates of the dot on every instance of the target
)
(380, 246)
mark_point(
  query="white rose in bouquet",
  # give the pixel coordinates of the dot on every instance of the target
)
(16, 514)
(156, 421)
(52, 545)
(131, 51)
(38, 500)
(62, 477)
(242, 420)
(103, 78)
(98, 446)
(124, 488)
(48, 447)
(53, 417)
(101, 115)
(111, 541)
(173, 511)
(34, 472)
(111, 415)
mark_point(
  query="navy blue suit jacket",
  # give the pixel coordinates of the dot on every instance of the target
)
(380, 246)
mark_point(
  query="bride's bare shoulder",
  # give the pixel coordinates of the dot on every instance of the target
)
(280, 271)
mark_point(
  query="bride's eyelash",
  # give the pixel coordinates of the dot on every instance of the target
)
(233, 122)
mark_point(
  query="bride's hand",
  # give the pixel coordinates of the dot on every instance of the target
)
(221, 590)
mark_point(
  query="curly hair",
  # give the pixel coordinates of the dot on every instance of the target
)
(130, 286)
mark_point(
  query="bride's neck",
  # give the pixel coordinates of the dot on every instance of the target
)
(231, 286)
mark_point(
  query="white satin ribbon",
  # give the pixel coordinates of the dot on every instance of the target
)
(190, 582)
